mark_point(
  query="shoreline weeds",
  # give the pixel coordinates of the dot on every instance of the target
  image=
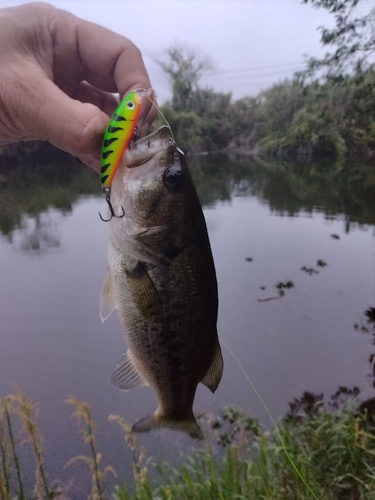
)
(333, 452)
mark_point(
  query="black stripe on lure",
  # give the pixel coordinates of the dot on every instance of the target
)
(119, 132)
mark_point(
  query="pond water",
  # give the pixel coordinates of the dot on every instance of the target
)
(269, 223)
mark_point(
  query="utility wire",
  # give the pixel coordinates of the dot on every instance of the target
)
(234, 78)
(258, 68)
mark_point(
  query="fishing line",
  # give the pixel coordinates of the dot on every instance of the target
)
(272, 420)
(247, 377)
(164, 118)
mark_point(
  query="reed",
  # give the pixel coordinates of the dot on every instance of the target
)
(140, 473)
(333, 450)
(5, 454)
(17, 412)
(28, 414)
(87, 429)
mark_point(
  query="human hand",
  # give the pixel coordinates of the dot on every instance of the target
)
(57, 76)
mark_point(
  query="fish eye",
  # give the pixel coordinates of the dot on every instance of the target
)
(174, 178)
(130, 105)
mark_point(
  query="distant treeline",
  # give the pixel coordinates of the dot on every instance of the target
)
(290, 119)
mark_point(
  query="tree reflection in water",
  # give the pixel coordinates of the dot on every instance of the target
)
(37, 234)
(33, 183)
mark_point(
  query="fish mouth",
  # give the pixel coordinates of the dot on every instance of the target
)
(144, 149)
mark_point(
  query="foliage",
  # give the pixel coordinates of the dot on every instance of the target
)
(291, 119)
(352, 37)
(87, 429)
(314, 453)
(294, 119)
(334, 453)
(198, 117)
(315, 120)
(18, 425)
(183, 70)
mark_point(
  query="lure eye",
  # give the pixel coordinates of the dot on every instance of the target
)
(174, 178)
(130, 105)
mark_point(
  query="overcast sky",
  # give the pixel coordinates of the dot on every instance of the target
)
(252, 43)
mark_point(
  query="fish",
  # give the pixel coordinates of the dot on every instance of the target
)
(162, 282)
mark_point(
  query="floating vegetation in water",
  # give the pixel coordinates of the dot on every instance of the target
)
(281, 286)
(309, 270)
(335, 236)
(288, 284)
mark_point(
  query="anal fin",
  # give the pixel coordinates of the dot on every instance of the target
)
(215, 371)
(126, 376)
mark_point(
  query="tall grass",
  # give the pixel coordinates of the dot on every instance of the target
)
(87, 429)
(334, 451)
(18, 426)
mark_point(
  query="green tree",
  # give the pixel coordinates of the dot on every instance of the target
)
(184, 70)
(352, 38)
(197, 116)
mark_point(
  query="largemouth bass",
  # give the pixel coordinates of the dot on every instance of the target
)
(162, 282)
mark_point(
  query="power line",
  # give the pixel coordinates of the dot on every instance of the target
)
(233, 77)
(259, 68)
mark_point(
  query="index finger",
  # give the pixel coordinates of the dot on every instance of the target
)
(109, 61)
(112, 61)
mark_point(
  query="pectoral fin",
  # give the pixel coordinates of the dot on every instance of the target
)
(144, 292)
(107, 298)
(215, 371)
(149, 242)
(126, 376)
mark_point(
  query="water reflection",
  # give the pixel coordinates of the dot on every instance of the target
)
(37, 234)
(272, 225)
(30, 185)
(51, 178)
(367, 325)
(346, 190)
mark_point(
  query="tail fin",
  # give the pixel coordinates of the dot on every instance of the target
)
(154, 421)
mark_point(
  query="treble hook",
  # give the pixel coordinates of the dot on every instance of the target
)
(107, 193)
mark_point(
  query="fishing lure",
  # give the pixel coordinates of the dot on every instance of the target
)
(122, 127)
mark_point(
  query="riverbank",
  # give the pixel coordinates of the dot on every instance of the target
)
(291, 119)
(314, 452)
(320, 454)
